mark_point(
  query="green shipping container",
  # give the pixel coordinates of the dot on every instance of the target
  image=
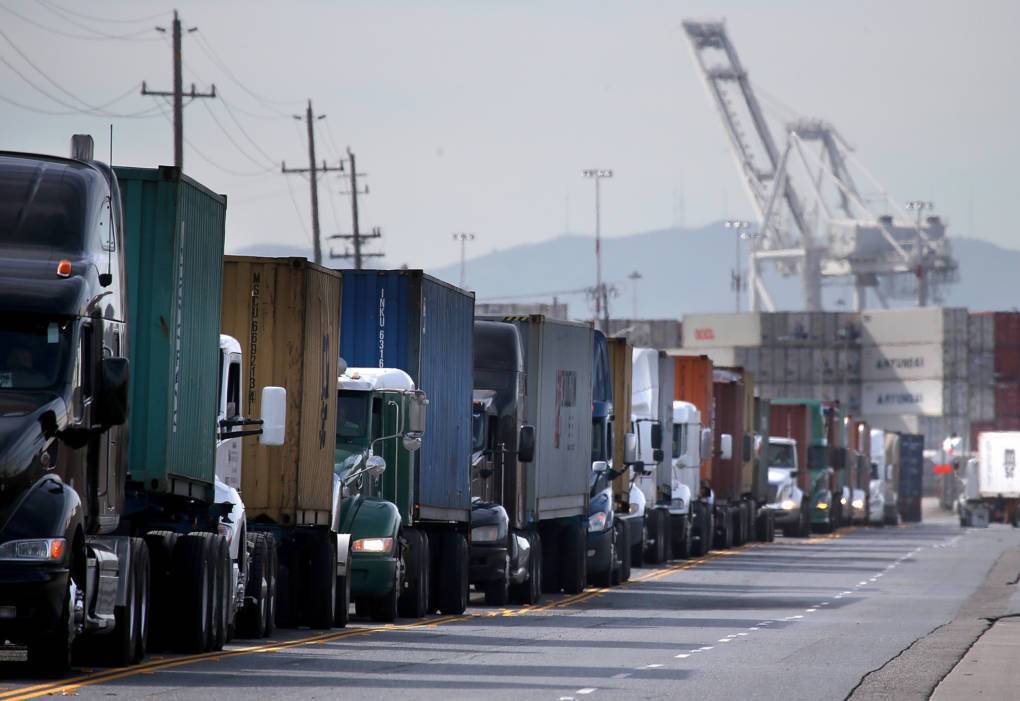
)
(173, 239)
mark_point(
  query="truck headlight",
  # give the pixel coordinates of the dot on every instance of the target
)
(597, 521)
(858, 503)
(842, 500)
(676, 503)
(37, 549)
(372, 545)
(788, 505)
(485, 534)
(823, 505)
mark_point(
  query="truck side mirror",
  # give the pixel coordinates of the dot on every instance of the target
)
(657, 438)
(629, 449)
(113, 396)
(274, 415)
(706, 443)
(417, 410)
(526, 444)
(726, 446)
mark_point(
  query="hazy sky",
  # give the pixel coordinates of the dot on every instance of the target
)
(479, 116)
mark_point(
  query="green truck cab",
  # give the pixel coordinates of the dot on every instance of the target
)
(811, 423)
(380, 423)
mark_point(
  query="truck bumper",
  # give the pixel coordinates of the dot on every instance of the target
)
(599, 550)
(31, 600)
(372, 576)
(487, 564)
(783, 517)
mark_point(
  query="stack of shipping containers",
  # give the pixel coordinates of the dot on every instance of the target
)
(994, 372)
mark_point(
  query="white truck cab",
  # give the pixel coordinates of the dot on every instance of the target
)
(688, 448)
(786, 499)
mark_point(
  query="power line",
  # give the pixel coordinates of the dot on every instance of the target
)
(133, 36)
(246, 135)
(267, 102)
(104, 20)
(230, 138)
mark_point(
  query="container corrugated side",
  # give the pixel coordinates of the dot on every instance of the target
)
(921, 325)
(283, 311)
(620, 363)
(693, 383)
(174, 234)
(998, 473)
(557, 359)
(730, 407)
(914, 361)
(667, 380)
(408, 320)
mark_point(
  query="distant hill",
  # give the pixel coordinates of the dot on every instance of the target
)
(682, 271)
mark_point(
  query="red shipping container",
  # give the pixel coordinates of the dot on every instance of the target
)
(1007, 329)
(1007, 399)
(730, 406)
(1005, 423)
(1007, 363)
(693, 383)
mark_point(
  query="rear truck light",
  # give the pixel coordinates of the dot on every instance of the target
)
(64, 268)
(372, 545)
(35, 550)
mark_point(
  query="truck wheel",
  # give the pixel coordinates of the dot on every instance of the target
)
(121, 647)
(573, 566)
(321, 581)
(383, 609)
(453, 596)
(49, 655)
(653, 553)
(414, 600)
(272, 581)
(605, 579)
(666, 532)
(637, 550)
(161, 618)
(620, 543)
(251, 621)
(223, 600)
(530, 590)
(342, 610)
(680, 536)
(497, 591)
(625, 551)
(193, 573)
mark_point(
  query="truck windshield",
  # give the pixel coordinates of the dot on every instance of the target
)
(41, 207)
(598, 440)
(477, 431)
(352, 415)
(781, 455)
(34, 351)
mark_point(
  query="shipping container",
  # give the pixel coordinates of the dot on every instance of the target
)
(911, 468)
(981, 332)
(795, 421)
(173, 240)
(284, 312)
(694, 384)
(413, 322)
(1007, 363)
(981, 403)
(919, 325)
(721, 330)
(664, 397)
(997, 471)
(620, 363)
(1009, 423)
(558, 364)
(730, 418)
(914, 361)
(1007, 399)
(925, 397)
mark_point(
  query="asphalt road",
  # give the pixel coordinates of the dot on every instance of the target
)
(788, 620)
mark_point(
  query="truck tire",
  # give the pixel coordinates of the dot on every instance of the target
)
(552, 540)
(223, 600)
(621, 547)
(453, 596)
(529, 592)
(321, 608)
(653, 552)
(624, 551)
(382, 609)
(287, 579)
(574, 564)
(414, 599)
(193, 584)
(606, 578)
(739, 516)
(254, 614)
(161, 618)
(667, 536)
(272, 580)
(49, 655)
(680, 536)
(342, 610)
(124, 645)
(637, 550)
(497, 591)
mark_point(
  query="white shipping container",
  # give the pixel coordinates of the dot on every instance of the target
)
(997, 456)
(913, 361)
(924, 397)
(922, 325)
(721, 330)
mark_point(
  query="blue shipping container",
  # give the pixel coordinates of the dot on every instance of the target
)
(408, 320)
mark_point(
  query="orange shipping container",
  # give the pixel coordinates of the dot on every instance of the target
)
(620, 364)
(285, 312)
(693, 383)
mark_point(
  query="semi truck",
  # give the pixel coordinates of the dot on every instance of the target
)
(407, 320)
(758, 492)
(803, 421)
(693, 384)
(992, 481)
(506, 561)
(787, 500)
(109, 344)
(380, 424)
(652, 412)
(691, 441)
(909, 453)
(551, 494)
(732, 459)
(284, 310)
(858, 440)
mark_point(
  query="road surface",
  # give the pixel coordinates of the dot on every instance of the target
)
(792, 619)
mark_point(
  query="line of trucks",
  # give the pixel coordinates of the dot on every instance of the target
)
(196, 446)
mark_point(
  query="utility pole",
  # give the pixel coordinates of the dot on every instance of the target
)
(601, 293)
(356, 237)
(742, 235)
(178, 93)
(634, 277)
(463, 238)
(313, 173)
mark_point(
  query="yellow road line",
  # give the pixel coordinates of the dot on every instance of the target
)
(70, 686)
